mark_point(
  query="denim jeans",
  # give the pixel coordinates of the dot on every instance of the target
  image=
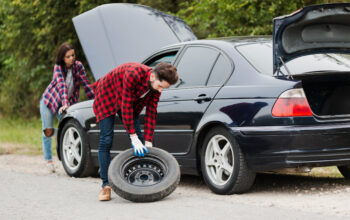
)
(105, 144)
(47, 118)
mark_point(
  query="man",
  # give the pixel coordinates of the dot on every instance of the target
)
(126, 90)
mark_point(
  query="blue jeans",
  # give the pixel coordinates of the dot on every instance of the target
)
(105, 144)
(47, 118)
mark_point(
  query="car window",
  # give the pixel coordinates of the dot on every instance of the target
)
(195, 66)
(259, 55)
(167, 57)
(220, 72)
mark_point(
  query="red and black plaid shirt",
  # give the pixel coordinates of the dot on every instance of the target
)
(121, 89)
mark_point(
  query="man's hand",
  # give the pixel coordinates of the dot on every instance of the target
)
(62, 109)
(139, 149)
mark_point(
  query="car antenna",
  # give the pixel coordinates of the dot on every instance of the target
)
(285, 66)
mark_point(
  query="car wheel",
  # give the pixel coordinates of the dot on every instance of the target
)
(75, 151)
(345, 171)
(223, 165)
(144, 179)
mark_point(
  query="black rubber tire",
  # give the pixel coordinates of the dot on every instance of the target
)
(241, 179)
(345, 171)
(86, 167)
(149, 193)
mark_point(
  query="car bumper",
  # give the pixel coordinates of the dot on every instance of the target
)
(274, 147)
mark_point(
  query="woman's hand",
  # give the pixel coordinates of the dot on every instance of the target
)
(62, 109)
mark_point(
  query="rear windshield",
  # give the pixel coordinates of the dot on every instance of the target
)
(259, 55)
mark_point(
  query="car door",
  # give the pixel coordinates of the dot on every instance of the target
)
(182, 105)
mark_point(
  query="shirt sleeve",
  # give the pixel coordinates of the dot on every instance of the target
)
(61, 83)
(150, 117)
(85, 82)
(130, 80)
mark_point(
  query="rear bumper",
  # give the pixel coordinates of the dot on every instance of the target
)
(274, 147)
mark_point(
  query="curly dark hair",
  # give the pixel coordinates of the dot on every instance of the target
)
(167, 72)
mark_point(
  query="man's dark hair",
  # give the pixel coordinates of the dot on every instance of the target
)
(167, 72)
(62, 50)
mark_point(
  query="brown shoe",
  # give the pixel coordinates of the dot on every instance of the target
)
(105, 194)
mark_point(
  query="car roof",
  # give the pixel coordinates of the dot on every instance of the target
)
(233, 41)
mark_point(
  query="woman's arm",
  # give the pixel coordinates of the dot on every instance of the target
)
(85, 81)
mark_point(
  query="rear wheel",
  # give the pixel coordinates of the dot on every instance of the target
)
(223, 165)
(345, 171)
(75, 151)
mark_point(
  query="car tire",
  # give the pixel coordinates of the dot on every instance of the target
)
(224, 168)
(75, 151)
(145, 179)
(345, 171)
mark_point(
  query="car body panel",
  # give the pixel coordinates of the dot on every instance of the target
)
(313, 29)
(113, 34)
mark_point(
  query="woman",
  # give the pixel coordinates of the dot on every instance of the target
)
(62, 92)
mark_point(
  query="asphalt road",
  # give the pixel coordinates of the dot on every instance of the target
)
(28, 192)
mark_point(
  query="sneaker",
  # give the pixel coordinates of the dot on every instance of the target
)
(105, 194)
(51, 167)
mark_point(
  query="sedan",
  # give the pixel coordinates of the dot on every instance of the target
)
(242, 105)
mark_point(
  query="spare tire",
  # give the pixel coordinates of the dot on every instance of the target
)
(144, 179)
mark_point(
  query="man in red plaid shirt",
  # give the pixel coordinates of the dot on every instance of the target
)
(126, 90)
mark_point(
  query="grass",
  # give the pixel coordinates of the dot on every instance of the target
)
(21, 136)
(330, 172)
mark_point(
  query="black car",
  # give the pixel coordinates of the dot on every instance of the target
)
(242, 105)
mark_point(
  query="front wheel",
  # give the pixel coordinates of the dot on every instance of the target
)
(223, 165)
(75, 151)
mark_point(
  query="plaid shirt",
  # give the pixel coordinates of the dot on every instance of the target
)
(121, 89)
(56, 94)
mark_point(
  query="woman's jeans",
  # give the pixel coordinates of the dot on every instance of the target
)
(105, 145)
(47, 118)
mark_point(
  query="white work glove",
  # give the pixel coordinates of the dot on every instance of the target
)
(148, 144)
(139, 149)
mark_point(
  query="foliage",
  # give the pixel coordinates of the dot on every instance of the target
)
(223, 18)
(31, 31)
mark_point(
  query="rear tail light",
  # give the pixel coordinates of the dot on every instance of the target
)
(292, 103)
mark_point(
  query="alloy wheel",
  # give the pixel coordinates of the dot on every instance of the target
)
(72, 148)
(219, 160)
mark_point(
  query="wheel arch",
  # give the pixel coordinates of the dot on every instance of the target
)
(201, 136)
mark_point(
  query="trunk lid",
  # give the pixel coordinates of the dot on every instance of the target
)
(113, 34)
(311, 30)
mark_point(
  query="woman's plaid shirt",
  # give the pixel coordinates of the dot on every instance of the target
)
(56, 94)
(121, 89)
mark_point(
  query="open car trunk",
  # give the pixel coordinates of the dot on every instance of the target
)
(328, 94)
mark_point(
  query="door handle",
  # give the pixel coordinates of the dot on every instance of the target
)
(202, 97)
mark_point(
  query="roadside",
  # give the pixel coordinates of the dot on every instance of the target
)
(272, 196)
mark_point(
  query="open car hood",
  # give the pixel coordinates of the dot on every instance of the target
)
(113, 34)
(313, 29)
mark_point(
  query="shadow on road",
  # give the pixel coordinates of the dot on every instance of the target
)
(280, 183)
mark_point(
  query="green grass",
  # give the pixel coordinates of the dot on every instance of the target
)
(22, 136)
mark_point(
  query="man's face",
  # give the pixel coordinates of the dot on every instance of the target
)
(156, 84)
